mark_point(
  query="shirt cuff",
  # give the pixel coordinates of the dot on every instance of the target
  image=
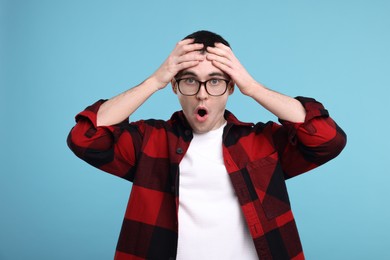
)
(314, 109)
(90, 115)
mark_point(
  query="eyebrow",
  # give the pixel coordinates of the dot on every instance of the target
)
(212, 74)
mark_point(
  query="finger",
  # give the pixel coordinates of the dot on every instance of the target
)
(221, 50)
(223, 67)
(190, 48)
(215, 50)
(220, 59)
(219, 55)
(222, 46)
(191, 56)
(187, 45)
(186, 41)
(187, 64)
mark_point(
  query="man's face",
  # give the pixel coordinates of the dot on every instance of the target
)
(203, 111)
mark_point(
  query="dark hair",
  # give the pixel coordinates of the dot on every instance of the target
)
(207, 38)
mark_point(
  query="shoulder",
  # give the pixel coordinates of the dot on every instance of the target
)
(177, 120)
(248, 127)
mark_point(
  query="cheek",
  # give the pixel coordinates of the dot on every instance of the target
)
(185, 103)
(222, 103)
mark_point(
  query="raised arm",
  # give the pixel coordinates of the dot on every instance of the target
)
(284, 107)
(102, 135)
(308, 138)
(118, 108)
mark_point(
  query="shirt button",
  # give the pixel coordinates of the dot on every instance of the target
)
(179, 150)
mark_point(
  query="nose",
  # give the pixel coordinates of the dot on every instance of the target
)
(202, 93)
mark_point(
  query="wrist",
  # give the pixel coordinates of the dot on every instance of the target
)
(155, 83)
(253, 89)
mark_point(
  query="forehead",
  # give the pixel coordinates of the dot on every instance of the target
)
(204, 69)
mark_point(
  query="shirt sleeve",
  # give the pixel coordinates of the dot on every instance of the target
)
(309, 144)
(110, 148)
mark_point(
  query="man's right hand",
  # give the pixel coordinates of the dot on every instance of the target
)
(185, 55)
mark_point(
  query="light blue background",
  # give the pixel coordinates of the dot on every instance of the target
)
(57, 57)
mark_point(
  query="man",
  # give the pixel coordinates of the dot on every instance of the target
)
(205, 185)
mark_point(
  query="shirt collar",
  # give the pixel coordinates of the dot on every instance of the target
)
(230, 118)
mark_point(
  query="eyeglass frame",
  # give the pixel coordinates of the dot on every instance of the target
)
(205, 86)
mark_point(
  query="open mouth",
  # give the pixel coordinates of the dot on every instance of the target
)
(202, 112)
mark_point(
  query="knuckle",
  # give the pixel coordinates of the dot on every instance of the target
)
(170, 60)
(179, 44)
(189, 47)
(186, 47)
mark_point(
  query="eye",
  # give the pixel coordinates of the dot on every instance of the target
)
(190, 81)
(215, 82)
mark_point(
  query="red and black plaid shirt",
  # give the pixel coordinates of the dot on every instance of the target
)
(258, 157)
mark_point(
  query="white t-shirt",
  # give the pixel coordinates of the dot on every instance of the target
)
(211, 224)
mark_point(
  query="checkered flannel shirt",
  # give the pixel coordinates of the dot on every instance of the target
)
(258, 158)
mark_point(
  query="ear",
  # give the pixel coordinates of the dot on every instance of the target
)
(231, 87)
(174, 86)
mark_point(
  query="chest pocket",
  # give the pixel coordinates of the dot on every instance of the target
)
(270, 186)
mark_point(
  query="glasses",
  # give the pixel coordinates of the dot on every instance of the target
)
(191, 86)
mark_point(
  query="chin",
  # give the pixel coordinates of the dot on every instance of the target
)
(200, 130)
